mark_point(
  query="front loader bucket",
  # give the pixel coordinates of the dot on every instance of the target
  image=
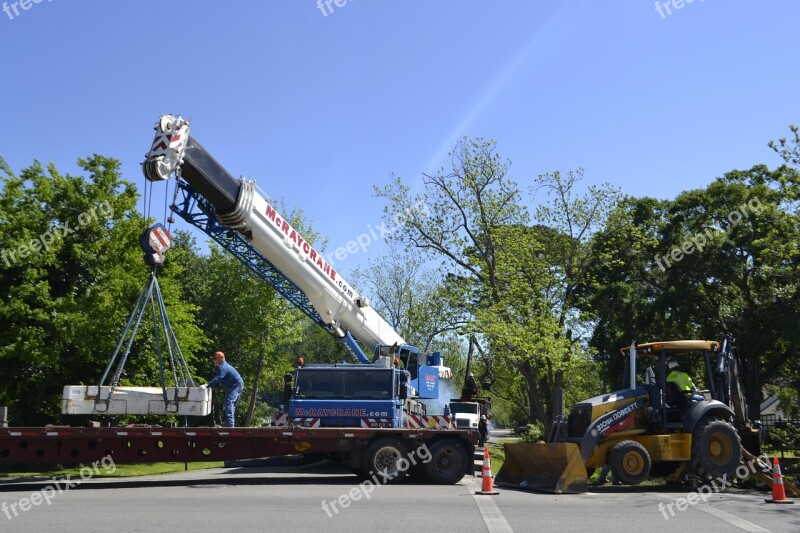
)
(554, 468)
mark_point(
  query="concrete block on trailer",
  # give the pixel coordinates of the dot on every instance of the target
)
(181, 401)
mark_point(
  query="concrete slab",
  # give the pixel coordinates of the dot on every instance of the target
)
(94, 400)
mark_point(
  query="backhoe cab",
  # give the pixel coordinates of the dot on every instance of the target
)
(648, 422)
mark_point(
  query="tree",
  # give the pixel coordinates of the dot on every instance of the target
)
(570, 225)
(411, 297)
(789, 150)
(70, 272)
(244, 318)
(714, 260)
(518, 293)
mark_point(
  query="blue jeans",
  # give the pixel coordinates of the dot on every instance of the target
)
(231, 397)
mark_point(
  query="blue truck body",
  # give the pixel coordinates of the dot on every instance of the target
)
(381, 394)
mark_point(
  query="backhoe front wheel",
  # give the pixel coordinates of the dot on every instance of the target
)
(716, 449)
(630, 462)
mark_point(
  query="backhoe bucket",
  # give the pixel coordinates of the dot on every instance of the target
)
(554, 468)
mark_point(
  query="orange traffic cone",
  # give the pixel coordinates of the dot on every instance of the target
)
(778, 492)
(487, 485)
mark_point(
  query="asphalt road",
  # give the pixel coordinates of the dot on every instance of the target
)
(327, 498)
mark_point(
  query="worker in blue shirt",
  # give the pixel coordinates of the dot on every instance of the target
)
(233, 383)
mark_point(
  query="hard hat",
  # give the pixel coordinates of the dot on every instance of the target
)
(471, 375)
(483, 417)
(673, 364)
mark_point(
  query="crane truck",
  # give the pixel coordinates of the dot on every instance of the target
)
(326, 395)
(372, 414)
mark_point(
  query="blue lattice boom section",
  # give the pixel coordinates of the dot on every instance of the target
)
(199, 212)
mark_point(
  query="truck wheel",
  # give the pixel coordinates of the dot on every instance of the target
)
(630, 462)
(383, 460)
(716, 449)
(448, 462)
(417, 474)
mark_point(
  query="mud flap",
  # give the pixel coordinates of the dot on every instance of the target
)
(554, 468)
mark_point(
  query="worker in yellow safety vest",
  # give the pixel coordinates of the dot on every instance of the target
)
(684, 382)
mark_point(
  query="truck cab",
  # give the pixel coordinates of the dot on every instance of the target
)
(347, 395)
(466, 414)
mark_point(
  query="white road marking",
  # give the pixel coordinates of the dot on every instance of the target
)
(741, 523)
(732, 519)
(491, 514)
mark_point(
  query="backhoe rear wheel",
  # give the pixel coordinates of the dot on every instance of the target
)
(716, 449)
(630, 462)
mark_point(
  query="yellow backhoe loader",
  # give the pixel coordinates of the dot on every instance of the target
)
(643, 424)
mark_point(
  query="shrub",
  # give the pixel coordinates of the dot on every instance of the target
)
(531, 432)
(784, 437)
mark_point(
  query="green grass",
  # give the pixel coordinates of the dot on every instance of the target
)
(122, 470)
(497, 454)
(781, 455)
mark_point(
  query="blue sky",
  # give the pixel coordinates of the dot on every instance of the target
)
(319, 107)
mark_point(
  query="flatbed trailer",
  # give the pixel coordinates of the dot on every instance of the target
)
(366, 450)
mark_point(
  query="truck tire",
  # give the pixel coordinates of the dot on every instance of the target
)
(448, 464)
(630, 462)
(716, 449)
(383, 461)
(417, 474)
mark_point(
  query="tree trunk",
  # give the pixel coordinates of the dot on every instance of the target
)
(752, 387)
(538, 410)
